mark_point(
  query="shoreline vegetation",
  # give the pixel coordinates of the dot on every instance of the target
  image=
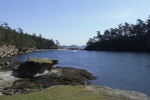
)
(24, 41)
(125, 37)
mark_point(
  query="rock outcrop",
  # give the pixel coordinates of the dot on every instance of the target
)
(26, 50)
(57, 76)
(35, 66)
(8, 51)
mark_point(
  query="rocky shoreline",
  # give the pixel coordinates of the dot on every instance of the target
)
(11, 84)
(38, 73)
(57, 76)
(6, 54)
(8, 51)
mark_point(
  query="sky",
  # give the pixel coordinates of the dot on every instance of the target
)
(71, 22)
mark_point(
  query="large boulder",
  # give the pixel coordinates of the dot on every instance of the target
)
(35, 66)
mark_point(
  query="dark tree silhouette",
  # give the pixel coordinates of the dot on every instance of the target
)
(23, 40)
(126, 37)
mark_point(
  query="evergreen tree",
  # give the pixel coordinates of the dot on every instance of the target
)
(127, 37)
(23, 40)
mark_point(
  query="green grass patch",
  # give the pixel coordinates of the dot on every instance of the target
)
(59, 93)
(34, 86)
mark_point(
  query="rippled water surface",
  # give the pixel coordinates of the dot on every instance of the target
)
(121, 70)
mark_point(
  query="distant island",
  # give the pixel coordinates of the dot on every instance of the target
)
(125, 37)
(73, 47)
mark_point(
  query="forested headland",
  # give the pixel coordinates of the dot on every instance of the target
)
(22, 40)
(125, 37)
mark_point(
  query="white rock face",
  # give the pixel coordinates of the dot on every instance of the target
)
(8, 51)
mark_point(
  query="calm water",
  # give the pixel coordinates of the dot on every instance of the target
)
(120, 70)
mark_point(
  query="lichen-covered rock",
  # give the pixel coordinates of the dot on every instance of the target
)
(35, 66)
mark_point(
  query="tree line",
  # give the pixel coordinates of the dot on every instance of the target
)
(22, 40)
(125, 37)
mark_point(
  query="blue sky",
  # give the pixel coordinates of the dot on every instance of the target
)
(71, 21)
